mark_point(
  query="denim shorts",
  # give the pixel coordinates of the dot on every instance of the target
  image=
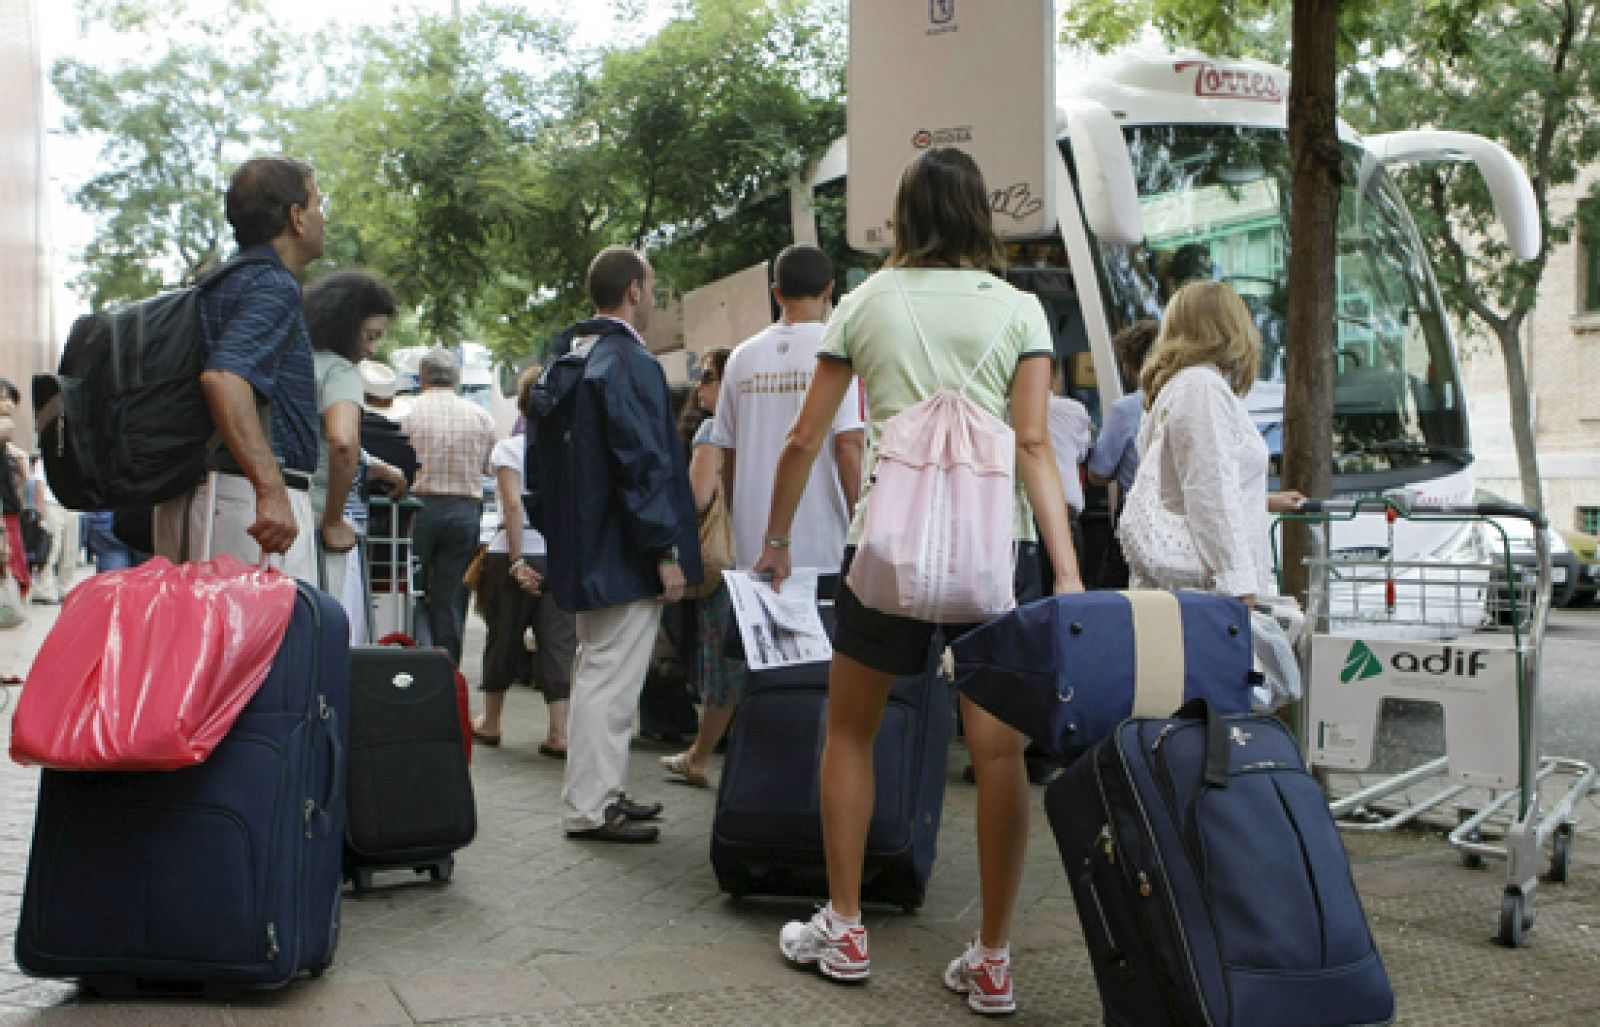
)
(899, 645)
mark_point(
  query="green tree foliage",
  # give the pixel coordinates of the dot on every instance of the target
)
(426, 140)
(1528, 76)
(171, 125)
(477, 162)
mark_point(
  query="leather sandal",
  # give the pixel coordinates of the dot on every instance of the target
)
(678, 766)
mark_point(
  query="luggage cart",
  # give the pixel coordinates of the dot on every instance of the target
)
(392, 568)
(1465, 631)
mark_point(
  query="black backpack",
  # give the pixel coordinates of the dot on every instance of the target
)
(123, 422)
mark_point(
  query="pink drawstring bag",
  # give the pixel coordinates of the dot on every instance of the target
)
(936, 541)
(147, 668)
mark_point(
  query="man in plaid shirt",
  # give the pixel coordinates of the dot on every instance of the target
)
(453, 438)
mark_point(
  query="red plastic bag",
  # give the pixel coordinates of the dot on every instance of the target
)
(147, 668)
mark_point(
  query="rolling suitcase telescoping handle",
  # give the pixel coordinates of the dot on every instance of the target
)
(1216, 774)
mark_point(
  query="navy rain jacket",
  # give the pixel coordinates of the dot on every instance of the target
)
(607, 476)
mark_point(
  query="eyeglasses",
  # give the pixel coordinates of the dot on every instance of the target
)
(324, 205)
(708, 378)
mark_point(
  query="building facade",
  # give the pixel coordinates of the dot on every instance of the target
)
(27, 329)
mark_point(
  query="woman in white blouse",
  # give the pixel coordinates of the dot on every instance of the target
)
(1213, 468)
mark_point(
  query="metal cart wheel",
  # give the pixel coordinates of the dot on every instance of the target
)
(1561, 854)
(1514, 920)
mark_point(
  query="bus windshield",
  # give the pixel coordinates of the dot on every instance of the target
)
(1215, 204)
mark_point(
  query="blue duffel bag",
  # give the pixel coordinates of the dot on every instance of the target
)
(1065, 670)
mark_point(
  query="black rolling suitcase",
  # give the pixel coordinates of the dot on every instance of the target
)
(1210, 880)
(410, 795)
(214, 878)
(766, 837)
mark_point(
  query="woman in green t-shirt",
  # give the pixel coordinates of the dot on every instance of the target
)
(943, 265)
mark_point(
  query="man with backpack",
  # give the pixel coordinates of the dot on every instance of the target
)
(612, 497)
(258, 380)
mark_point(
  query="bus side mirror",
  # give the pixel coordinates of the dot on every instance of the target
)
(1105, 172)
(1508, 184)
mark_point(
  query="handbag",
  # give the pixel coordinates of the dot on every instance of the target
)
(716, 546)
(472, 577)
(1156, 542)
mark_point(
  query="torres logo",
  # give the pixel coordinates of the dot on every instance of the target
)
(1360, 663)
(941, 12)
(1231, 83)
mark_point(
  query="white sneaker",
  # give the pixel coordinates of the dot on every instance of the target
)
(985, 982)
(837, 950)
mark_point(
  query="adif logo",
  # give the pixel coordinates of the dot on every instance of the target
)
(1462, 663)
(941, 12)
(1360, 663)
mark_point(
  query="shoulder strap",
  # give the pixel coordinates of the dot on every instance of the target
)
(923, 338)
(994, 343)
(916, 324)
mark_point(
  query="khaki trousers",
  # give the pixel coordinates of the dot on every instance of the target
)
(614, 647)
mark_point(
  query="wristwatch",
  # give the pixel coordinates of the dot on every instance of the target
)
(668, 556)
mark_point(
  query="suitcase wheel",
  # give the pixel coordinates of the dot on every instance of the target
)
(441, 870)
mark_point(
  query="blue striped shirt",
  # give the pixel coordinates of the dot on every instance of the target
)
(254, 329)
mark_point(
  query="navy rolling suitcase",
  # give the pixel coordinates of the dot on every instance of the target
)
(1210, 880)
(411, 801)
(766, 837)
(213, 878)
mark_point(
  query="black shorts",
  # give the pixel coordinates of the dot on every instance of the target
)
(899, 645)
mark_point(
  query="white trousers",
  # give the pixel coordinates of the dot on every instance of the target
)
(55, 577)
(614, 647)
(180, 525)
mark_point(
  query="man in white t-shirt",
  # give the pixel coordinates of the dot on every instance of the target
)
(763, 387)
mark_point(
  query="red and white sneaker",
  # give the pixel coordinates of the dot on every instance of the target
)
(837, 950)
(985, 982)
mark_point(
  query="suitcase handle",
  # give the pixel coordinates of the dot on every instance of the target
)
(336, 779)
(1216, 774)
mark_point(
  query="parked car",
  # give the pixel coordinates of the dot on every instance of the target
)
(1520, 540)
(1586, 549)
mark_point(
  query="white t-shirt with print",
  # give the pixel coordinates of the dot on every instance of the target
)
(763, 386)
(510, 453)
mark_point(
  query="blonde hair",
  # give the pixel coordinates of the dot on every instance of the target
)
(1206, 323)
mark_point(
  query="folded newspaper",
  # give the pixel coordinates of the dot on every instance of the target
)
(778, 628)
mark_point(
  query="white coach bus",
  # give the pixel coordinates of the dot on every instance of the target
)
(1175, 166)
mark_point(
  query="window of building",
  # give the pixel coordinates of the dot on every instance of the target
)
(1589, 520)
(1589, 238)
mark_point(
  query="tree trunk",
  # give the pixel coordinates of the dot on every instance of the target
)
(1313, 235)
(1522, 432)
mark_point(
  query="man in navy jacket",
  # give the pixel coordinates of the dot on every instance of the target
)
(612, 497)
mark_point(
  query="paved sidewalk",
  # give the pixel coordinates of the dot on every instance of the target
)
(539, 929)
